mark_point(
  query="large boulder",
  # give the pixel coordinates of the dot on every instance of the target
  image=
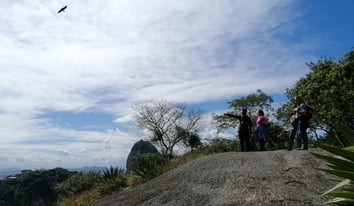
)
(274, 178)
(141, 147)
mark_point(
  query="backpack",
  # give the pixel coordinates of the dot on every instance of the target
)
(309, 112)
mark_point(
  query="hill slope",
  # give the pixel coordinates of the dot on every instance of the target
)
(253, 178)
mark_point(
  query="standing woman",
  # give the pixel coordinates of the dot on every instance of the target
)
(260, 129)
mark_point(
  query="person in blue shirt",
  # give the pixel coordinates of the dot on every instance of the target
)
(300, 125)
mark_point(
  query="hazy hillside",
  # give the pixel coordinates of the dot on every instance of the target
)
(254, 178)
(4, 172)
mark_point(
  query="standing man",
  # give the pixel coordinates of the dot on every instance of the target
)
(300, 125)
(244, 129)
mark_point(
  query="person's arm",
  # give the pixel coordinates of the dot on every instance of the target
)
(232, 115)
(302, 109)
(293, 110)
(250, 124)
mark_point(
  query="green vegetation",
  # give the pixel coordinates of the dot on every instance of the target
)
(341, 166)
(32, 187)
(148, 166)
(328, 88)
(113, 174)
(77, 183)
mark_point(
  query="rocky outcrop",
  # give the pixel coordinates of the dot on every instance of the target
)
(141, 147)
(246, 179)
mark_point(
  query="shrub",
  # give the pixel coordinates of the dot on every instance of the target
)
(341, 166)
(114, 174)
(218, 145)
(149, 165)
(114, 179)
(77, 183)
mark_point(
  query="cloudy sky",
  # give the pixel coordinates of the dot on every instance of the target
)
(68, 80)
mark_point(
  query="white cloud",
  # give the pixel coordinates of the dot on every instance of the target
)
(105, 56)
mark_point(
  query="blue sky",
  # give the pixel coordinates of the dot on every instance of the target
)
(68, 81)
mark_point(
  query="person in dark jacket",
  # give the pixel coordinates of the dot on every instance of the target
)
(244, 129)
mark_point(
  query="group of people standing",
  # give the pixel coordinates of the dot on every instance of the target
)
(299, 127)
(245, 129)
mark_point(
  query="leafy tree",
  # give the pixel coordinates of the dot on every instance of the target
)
(7, 188)
(218, 145)
(190, 139)
(329, 89)
(163, 120)
(32, 187)
(194, 141)
(276, 136)
(77, 183)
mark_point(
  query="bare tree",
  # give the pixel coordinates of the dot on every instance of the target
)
(163, 120)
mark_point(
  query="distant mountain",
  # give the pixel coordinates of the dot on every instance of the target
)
(4, 172)
(88, 169)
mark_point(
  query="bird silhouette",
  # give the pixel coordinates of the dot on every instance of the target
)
(62, 9)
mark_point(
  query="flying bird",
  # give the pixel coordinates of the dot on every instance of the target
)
(62, 9)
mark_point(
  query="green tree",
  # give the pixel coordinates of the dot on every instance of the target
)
(218, 145)
(190, 139)
(329, 89)
(194, 141)
(163, 120)
(77, 183)
(32, 187)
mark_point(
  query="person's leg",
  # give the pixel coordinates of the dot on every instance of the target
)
(298, 135)
(262, 144)
(242, 142)
(247, 140)
(303, 135)
(292, 134)
(291, 138)
(262, 135)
